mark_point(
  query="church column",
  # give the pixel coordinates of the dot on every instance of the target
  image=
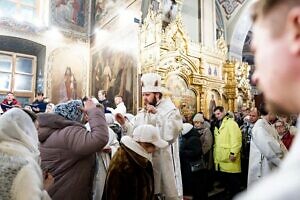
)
(230, 84)
(202, 100)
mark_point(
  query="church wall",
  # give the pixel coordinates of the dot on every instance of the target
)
(66, 45)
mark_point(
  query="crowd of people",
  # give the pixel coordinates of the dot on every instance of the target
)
(84, 149)
(98, 152)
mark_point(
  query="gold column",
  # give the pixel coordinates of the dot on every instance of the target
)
(230, 83)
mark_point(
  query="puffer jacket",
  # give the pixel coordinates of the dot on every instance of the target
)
(228, 140)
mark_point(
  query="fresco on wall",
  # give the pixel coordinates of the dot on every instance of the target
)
(66, 75)
(114, 50)
(183, 98)
(213, 99)
(70, 14)
(115, 72)
(107, 9)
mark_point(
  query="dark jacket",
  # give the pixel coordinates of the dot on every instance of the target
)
(106, 103)
(191, 151)
(42, 105)
(68, 152)
(129, 177)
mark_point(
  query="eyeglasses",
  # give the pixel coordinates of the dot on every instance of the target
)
(277, 126)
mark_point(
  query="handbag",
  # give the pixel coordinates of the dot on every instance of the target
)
(198, 165)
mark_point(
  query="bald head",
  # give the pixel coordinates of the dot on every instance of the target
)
(253, 115)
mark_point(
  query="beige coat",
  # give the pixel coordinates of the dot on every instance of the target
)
(166, 163)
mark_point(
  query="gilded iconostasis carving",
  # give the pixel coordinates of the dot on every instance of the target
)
(183, 98)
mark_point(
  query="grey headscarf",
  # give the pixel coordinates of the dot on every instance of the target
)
(70, 110)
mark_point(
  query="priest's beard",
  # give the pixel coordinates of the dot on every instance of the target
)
(152, 103)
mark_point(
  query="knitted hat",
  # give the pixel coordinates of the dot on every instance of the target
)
(151, 82)
(186, 128)
(198, 118)
(70, 110)
(150, 134)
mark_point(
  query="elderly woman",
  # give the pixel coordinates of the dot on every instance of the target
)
(20, 173)
(68, 149)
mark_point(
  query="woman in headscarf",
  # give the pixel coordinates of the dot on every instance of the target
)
(68, 149)
(192, 164)
(20, 174)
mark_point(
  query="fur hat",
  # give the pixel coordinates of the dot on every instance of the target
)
(198, 118)
(187, 127)
(151, 82)
(150, 134)
(70, 110)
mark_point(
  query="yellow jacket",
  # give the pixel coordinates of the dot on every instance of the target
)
(228, 140)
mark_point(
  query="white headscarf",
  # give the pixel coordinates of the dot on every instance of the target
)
(109, 118)
(16, 126)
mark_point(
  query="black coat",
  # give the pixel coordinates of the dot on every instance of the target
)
(191, 150)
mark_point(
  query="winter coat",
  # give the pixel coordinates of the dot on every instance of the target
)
(281, 184)
(130, 174)
(191, 151)
(206, 138)
(68, 152)
(228, 140)
(166, 162)
(20, 174)
(266, 151)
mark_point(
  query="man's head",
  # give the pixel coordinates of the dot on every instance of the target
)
(118, 100)
(102, 95)
(219, 112)
(245, 111)
(10, 96)
(151, 98)
(40, 96)
(253, 115)
(276, 45)
(151, 88)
